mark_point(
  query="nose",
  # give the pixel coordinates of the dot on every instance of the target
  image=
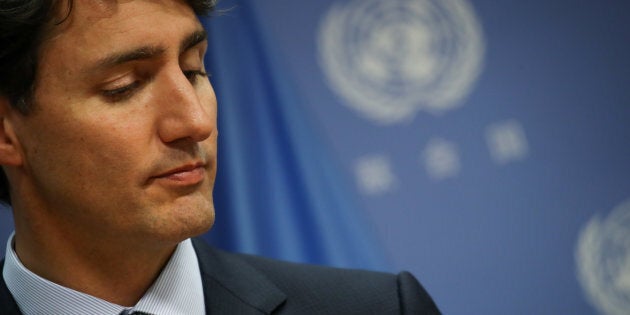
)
(186, 111)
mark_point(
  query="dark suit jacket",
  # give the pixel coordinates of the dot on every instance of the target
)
(236, 284)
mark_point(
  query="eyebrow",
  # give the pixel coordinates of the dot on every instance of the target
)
(148, 52)
(193, 39)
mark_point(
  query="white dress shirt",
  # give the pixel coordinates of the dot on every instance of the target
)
(177, 291)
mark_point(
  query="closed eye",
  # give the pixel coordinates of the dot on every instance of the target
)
(192, 75)
(121, 93)
(125, 92)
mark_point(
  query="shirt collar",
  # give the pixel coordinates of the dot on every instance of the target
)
(177, 290)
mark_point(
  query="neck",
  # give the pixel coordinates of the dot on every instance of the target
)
(116, 269)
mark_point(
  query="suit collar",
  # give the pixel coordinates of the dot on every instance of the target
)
(8, 306)
(232, 286)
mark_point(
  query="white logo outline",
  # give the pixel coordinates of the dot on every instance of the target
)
(603, 261)
(388, 59)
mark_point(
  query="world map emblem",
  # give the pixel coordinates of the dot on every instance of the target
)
(603, 261)
(390, 59)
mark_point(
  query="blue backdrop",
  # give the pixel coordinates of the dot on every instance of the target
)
(482, 145)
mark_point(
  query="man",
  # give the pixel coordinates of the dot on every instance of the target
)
(108, 143)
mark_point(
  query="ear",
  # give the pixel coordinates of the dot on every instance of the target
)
(9, 144)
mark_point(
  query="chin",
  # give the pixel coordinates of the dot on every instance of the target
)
(202, 226)
(200, 223)
(187, 222)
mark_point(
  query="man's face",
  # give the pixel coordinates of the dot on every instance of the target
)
(122, 139)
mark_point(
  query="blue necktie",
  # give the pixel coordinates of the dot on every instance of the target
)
(132, 312)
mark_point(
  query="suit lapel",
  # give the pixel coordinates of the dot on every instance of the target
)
(8, 306)
(231, 286)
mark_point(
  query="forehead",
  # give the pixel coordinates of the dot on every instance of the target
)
(93, 26)
(81, 13)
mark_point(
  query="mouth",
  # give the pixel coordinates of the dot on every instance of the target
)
(186, 175)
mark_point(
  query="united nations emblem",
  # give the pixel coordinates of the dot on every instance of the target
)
(388, 59)
(603, 261)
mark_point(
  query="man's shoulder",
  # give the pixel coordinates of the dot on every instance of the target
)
(327, 290)
(291, 275)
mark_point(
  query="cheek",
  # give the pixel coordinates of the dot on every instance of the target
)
(110, 149)
(83, 153)
(207, 97)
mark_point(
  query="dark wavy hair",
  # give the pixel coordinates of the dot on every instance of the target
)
(23, 26)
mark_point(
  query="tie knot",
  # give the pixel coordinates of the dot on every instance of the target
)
(132, 312)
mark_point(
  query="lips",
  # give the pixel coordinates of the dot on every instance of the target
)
(189, 174)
